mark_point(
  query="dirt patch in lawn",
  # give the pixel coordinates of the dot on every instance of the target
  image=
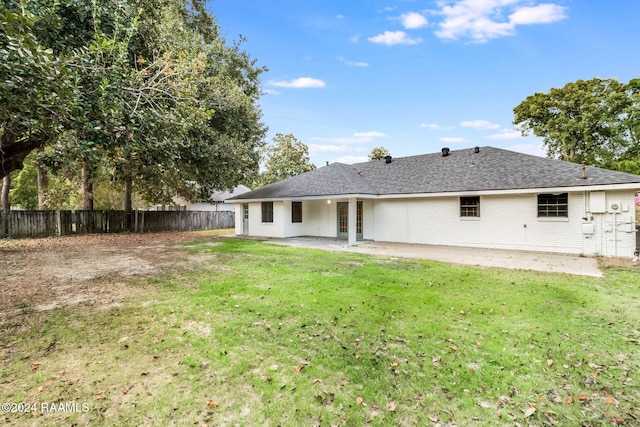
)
(42, 274)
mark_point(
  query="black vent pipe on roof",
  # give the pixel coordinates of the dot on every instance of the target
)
(476, 150)
(387, 159)
(445, 152)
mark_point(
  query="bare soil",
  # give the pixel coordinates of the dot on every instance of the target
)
(42, 274)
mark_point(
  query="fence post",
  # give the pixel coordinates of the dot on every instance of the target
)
(59, 223)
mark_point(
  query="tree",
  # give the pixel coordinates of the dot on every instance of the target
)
(594, 121)
(287, 157)
(378, 153)
(159, 101)
(36, 88)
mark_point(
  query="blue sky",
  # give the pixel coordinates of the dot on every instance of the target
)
(415, 76)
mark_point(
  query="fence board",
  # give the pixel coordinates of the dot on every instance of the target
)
(20, 224)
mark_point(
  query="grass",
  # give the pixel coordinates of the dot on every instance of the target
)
(272, 335)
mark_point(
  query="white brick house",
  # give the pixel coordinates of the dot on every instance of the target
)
(480, 197)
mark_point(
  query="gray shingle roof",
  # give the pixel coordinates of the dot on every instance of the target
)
(462, 170)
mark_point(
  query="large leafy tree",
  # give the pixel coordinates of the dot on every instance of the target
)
(160, 100)
(592, 121)
(36, 85)
(286, 157)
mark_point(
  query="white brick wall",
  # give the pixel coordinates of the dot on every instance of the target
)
(505, 222)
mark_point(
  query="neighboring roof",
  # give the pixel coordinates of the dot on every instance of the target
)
(462, 170)
(221, 196)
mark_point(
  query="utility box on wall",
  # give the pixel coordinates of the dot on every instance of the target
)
(597, 202)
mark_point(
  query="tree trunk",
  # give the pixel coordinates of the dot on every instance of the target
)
(87, 187)
(6, 185)
(43, 184)
(6, 205)
(127, 203)
(12, 152)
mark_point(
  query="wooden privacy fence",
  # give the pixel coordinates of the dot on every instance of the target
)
(19, 224)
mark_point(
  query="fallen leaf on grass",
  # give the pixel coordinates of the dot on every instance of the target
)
(211, 404)
(391, 406)
(569, 399)
(485, 405)
(297, 368)
(609, 400)
(582, 396)
(530, 411)
(359, 400)
(454, 347)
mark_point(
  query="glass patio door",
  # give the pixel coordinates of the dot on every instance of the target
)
(343, 220)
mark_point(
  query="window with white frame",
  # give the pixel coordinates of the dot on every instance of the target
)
(470, 207)
(296, 211)
(267, 211)
(554, 205)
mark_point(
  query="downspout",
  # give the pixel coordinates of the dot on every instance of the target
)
(615, 235)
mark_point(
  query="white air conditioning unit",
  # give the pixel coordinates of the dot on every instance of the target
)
(615, 207)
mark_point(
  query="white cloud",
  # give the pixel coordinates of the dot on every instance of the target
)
(318, 148)
(302, 82)
(339, 16)
(271, 92)
(391, 38)
(353, 63)
(533, 149)
(435, 126)
(413, 20)
(479, 124)
(541, 14)
(482, 20)
(357, 138)
(453, 140)
(354, 39)
(505, 134)
(373, 134)
(352, 159)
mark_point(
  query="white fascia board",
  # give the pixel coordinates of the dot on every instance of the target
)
(301, 198)
(516, 191)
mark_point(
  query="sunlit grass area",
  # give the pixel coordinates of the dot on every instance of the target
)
(273, 335)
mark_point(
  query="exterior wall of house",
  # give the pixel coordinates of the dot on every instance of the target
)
(614, 229)
(256, 226)
(507, 222)
(319, 218)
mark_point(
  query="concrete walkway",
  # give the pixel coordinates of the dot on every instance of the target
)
(520, 260)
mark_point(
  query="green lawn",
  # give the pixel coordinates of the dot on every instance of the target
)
(273, 335)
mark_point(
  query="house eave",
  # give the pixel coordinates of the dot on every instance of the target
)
(500, 192)
(516, 191)
(299, 198)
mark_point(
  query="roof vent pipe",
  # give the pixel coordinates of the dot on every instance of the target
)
(387, 159)
(445, 152)
(476, 150)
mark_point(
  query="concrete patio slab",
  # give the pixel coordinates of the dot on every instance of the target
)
(512, 259)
